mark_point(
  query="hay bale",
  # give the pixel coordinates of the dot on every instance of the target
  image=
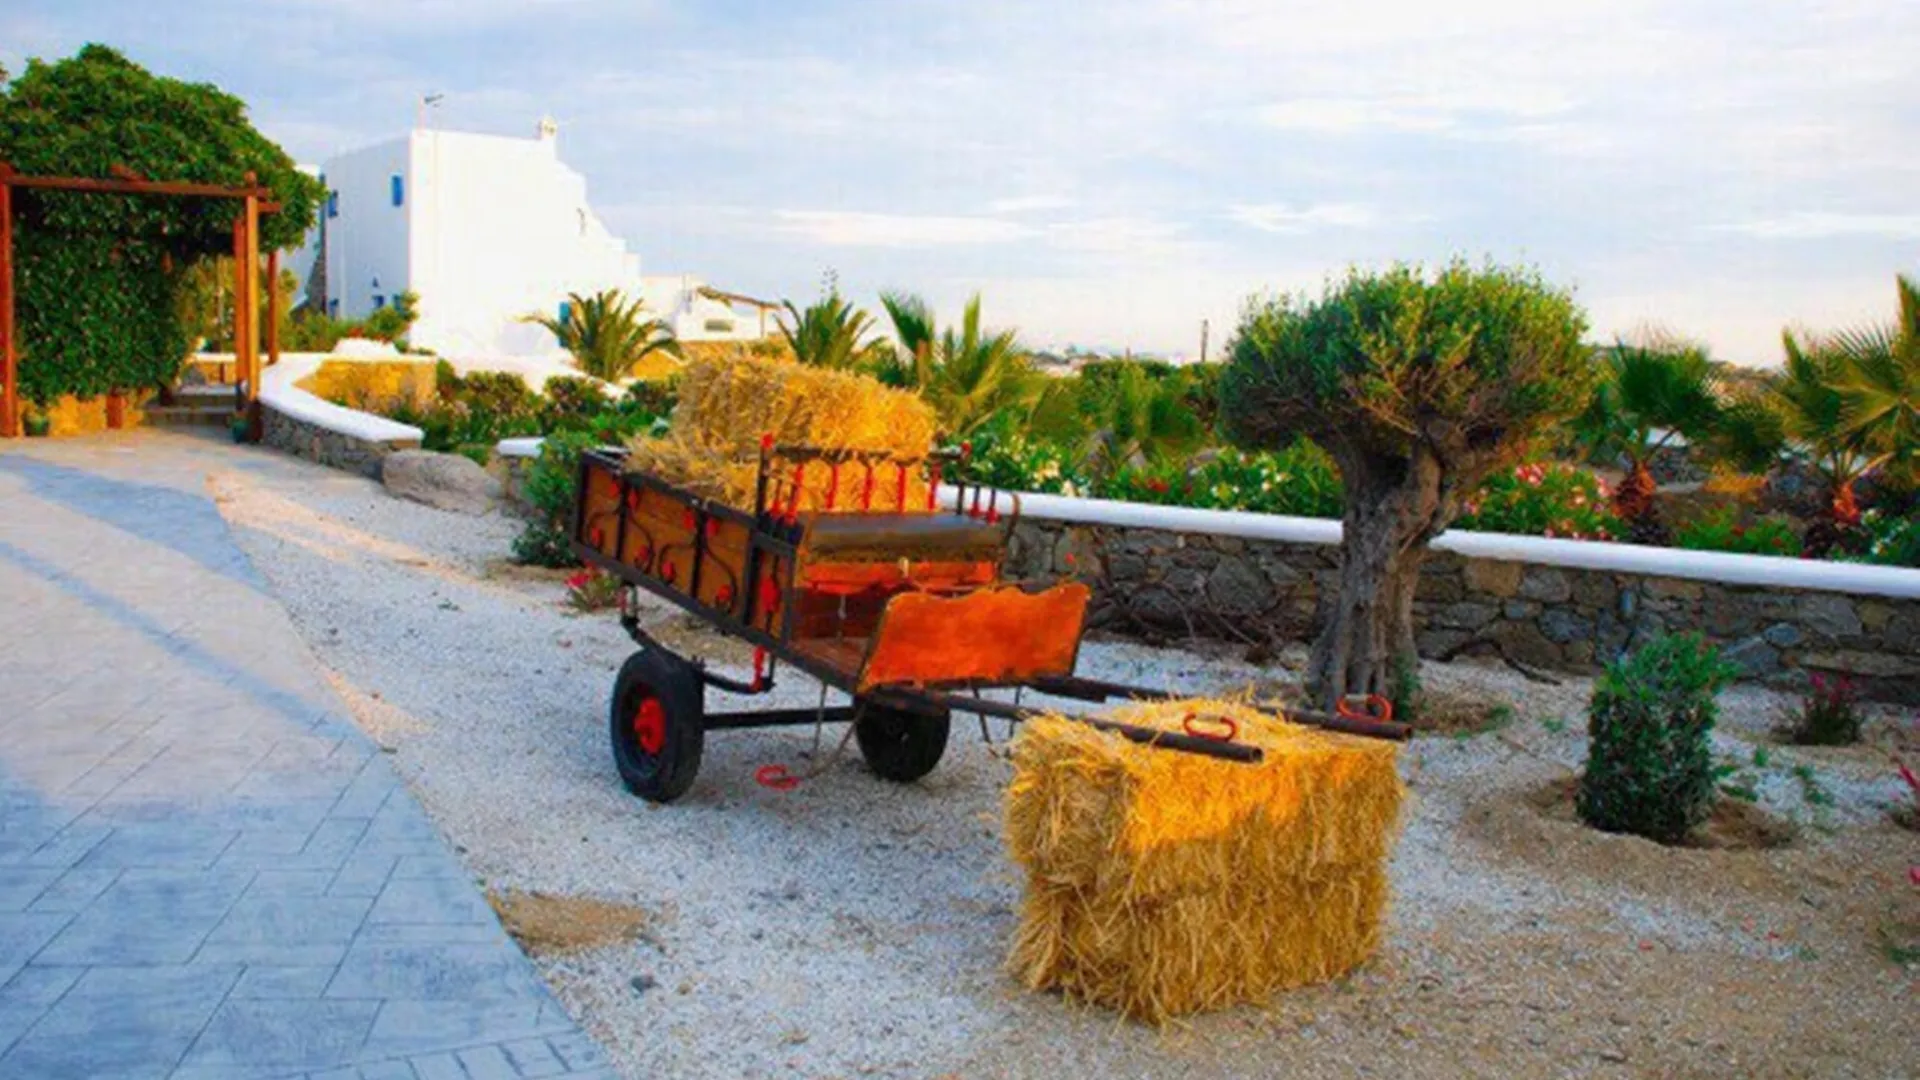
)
(1161, 883)
(728, 402)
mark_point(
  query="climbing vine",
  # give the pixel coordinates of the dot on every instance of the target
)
(98, 276)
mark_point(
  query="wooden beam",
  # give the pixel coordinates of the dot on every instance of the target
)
(250, 216)
(9, 353)
(139, 187)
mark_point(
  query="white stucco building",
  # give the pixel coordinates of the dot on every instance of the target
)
(483, 229)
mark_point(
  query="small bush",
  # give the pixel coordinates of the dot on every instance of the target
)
(573, 403)
(656, 397)
(550, 490)
(593, 590)
(1890, 539)
(1649, 763)
(1300, 480)
(1543, 499)
(1722, 530)
(1829, 713)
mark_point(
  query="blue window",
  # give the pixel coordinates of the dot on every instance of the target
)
(399, 190)
(566, 309)
(333, 308)
(379, 301)
(333, 204)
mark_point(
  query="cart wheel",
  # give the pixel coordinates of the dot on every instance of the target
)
(658, 725)
(900, 745)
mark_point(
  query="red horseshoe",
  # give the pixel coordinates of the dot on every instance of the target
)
(776, 778)
(1231, 726)
(650, 725)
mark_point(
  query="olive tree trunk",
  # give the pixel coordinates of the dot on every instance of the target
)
(1394, 508)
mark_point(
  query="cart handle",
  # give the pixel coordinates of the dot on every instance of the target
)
(1228, 728)
(775, 777)
(1374, 708)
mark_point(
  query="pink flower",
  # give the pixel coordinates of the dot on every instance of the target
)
(579, 581)
(1549, 532)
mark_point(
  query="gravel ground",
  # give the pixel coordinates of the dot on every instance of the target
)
(854, 928)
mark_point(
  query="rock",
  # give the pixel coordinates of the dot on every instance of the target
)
(1673, 589)
(1238, 589)
(1594, 589)
(1547, 584)
(1494, 577)
(1875, 615)
(1126, 568)
(642, 983)
(1466, 615)
(1871, 664)
(1523, 642)
(1519, 609)
(1783, 635)
(445, 481)
(1563, 626)
(1829, 615)
(1438, 643)
(1753, 656)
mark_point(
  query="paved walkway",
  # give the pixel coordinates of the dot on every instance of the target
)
(206, 871)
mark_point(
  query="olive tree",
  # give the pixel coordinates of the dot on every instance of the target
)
(1419, 385)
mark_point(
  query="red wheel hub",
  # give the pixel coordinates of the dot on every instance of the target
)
(650, 725)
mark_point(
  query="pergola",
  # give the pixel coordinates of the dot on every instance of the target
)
(255, 200)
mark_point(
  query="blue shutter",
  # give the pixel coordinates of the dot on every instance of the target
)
(379, 301)
(333, 204)
(399, 190)
(566, 309)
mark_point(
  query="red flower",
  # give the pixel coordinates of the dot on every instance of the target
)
(579, 581)
(1157, 486)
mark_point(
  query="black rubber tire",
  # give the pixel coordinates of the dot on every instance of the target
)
(666, 775)
(899, 745)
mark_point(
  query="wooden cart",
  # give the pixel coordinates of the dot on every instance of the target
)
(893, 599)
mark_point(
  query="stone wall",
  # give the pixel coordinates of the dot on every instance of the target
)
(332, 448)
(1163, 584)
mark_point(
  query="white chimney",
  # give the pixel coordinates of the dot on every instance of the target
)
(549, 131)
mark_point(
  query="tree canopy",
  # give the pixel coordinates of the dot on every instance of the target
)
(1418, 385)
(98, 275)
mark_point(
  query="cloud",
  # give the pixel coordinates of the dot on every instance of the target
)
(841, 228)
(1435, 114)
(1821, 225)
(1285, 219)
(1027, 204)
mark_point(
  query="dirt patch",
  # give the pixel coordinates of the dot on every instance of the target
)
(1457, 712)
(544, 924)
(1733, 825)
(508, 570)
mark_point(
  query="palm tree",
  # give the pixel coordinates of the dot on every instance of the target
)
(1649, 395)
(1801, 410)
(966, 373)
(1136, 418)
(829, 334)
(1880, 388)
(608, 334)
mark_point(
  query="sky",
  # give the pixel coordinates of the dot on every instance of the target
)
(1112, 174)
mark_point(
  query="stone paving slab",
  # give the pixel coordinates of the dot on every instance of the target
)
(206, 871)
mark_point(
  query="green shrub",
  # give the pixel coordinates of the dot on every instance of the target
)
(1649, 762)
(657, 397)
(1722, 530)
(1829, 714)
(1542, 499)
(446, 381)
(1300, 480)
(1891, 539)
(1004, 456)
(573, 403)
(550, 488)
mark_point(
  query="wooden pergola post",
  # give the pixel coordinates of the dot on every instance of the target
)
(9, 352)
(272, 325)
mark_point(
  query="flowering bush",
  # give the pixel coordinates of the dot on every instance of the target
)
(1829, 714)
(592, 590)
(1016, 463)
(1543, 499)
(1893, 539)
(1722, 530)
(1300, 480)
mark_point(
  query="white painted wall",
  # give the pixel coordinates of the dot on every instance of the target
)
(367, 243)
(491, 228)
